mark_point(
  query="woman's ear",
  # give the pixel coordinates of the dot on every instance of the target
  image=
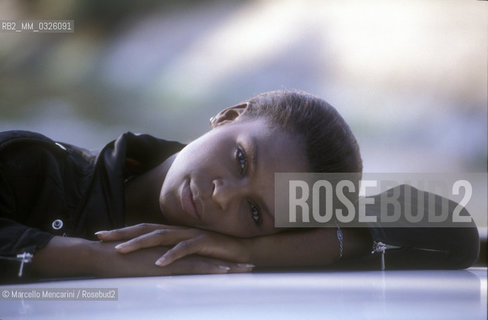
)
(228, 115)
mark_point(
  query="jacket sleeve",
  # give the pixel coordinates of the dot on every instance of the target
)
(22, 180)
(15, 238)
(444, 245)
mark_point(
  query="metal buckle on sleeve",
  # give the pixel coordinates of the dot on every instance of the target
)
(380, 247)
(24, 257)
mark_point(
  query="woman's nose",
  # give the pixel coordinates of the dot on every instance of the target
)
(227, 191)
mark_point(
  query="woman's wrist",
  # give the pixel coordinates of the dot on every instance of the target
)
(254, 250)
(102, 260)
(247, 254)
(65, 256)
(94, 258)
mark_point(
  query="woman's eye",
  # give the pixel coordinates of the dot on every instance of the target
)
(255, 214)
(241, 160)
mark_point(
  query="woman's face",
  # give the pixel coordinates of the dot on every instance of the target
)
(224, 180)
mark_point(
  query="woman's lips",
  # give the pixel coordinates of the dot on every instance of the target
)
(187, 202)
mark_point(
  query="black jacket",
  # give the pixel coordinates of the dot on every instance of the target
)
(50, 188)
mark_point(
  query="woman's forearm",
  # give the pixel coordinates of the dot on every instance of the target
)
(313, 247)
(65, 257)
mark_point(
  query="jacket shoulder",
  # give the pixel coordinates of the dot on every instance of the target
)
(13, 136)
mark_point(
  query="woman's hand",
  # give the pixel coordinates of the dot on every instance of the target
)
(186, 241)
(140, 263)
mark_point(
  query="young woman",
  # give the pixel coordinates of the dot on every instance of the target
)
(206, 207)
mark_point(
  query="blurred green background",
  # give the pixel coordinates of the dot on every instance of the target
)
(409, 76)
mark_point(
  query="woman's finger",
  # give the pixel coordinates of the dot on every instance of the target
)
(199, 267)
(241, 267)
(128, 232)
(160, 237)
(182, 249)
(203, 265)
(209, 268)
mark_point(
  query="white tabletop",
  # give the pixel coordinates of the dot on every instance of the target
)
(438, 294)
